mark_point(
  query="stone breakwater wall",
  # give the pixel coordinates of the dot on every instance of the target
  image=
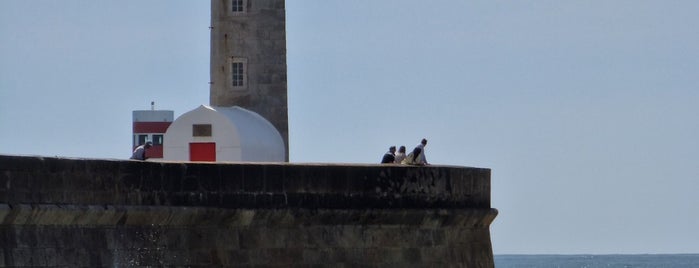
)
(58, 212)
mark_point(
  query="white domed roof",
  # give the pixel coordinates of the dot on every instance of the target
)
(239, 135)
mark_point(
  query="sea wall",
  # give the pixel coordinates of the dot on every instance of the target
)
(57, 212)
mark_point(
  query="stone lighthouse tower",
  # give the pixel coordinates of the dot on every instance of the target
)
(248, 59)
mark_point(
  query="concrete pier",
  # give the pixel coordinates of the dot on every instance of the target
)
(93, 213)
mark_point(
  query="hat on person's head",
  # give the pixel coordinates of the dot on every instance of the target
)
(148, 143)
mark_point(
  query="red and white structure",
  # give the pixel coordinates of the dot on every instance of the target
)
(151, 125)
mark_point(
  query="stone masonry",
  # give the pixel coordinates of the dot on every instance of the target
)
(57, 212)
(256, 38)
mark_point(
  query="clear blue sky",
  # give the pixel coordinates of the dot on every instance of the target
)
(586, 111)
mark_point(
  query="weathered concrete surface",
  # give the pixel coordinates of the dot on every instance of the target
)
(91, 213)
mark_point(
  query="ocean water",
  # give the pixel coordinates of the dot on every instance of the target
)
(598, 261)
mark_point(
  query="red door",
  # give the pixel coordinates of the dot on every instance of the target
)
(204, 151)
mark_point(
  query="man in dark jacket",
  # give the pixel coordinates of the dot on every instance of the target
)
(390, 156)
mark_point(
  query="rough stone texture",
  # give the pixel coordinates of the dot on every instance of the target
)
(258, 36)
(58, 212)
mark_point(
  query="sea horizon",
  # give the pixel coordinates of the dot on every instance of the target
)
(680, 260)
(595, 254)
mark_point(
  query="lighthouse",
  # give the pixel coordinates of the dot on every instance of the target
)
(248, 59)
(247, 118)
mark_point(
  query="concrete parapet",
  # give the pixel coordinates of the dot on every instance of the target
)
(39, 180)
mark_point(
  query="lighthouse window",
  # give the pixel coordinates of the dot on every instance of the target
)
(201, 130)
(238, 74)
(237, 5)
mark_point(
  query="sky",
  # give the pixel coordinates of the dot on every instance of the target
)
(585, 111)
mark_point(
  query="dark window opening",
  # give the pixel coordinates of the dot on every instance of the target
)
(142, 139)
(203, 130)
(157, 139)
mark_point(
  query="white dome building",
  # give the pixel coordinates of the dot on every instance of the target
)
(221, 134)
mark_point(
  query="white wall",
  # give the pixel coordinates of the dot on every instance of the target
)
(239, 134)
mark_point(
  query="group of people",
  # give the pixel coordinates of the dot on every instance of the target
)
(416, 157)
